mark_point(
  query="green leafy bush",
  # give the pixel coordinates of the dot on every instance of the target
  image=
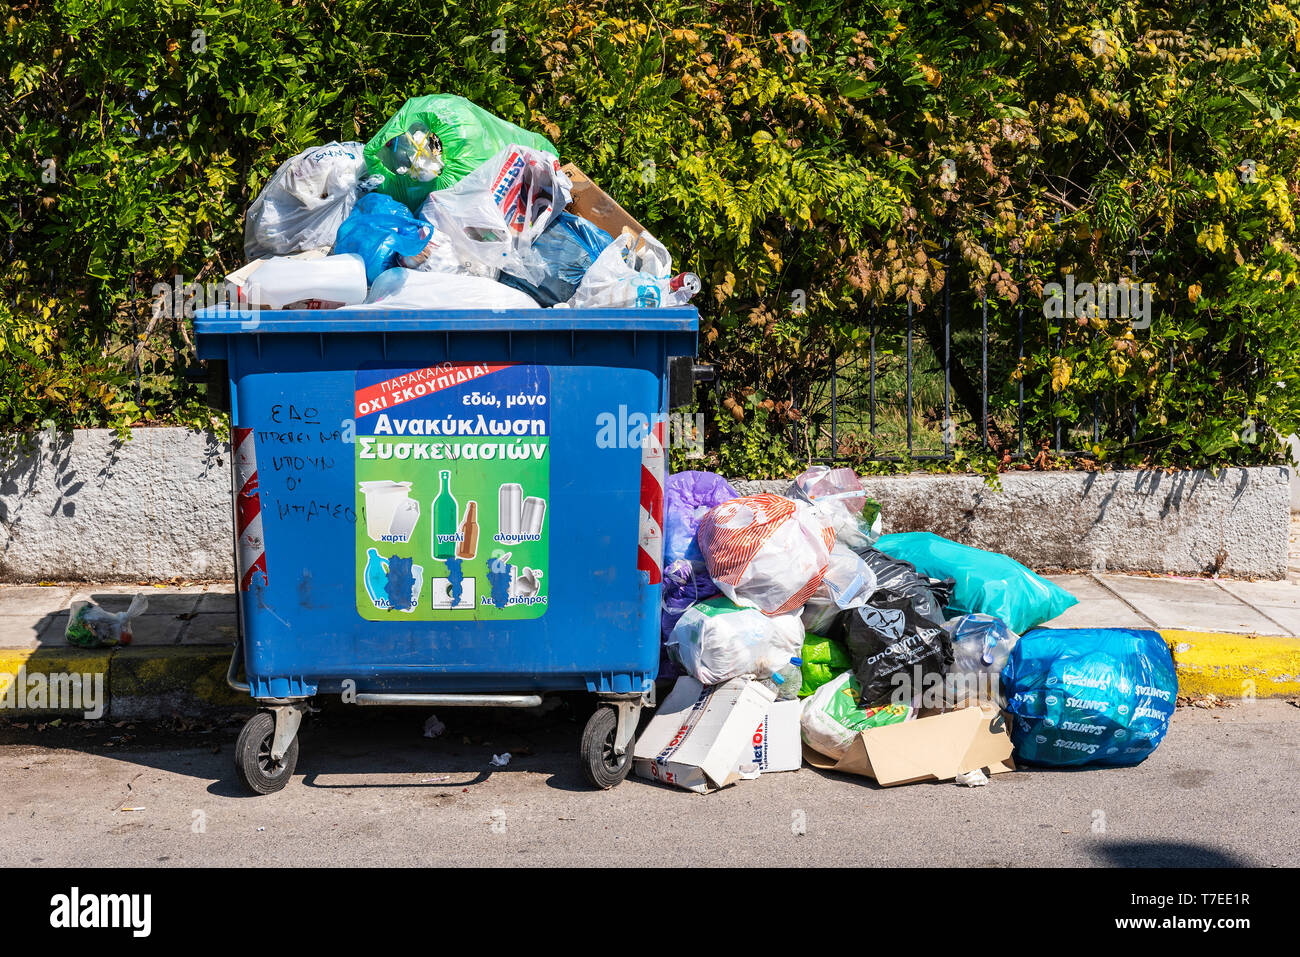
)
(805, 159)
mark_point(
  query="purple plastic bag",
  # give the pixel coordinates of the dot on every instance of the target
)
(687, 496)
(685, 583)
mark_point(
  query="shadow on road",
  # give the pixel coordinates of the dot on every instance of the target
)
(345, 748)
(1164, 854)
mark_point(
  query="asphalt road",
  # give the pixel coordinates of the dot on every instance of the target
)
(371, 789)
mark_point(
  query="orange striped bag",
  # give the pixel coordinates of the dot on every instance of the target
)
(766, 551)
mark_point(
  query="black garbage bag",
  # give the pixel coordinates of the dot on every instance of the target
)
(896, 578)
(896, 651)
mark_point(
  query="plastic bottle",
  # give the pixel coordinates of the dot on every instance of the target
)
(787, 680)
(284, 281)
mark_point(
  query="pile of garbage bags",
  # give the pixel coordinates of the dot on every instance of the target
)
(897, 657)
(446, 207)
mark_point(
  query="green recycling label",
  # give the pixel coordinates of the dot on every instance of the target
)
(453, 482)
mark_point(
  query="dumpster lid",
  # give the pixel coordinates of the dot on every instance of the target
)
(223, 320)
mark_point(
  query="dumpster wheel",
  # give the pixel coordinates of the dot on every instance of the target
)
(600, 765)
(259, 772)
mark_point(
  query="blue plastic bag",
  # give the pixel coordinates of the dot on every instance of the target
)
(986, 581)
(379, 230)
(567, 248)
(1089, 696)
(687, 496)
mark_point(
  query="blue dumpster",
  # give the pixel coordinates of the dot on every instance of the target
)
(446, 508)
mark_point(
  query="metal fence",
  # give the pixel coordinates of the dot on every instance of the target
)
(860, 417)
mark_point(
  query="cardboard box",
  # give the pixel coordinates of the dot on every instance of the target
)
(591, 202)
(699, 734)
(776, 744)
(934, 747)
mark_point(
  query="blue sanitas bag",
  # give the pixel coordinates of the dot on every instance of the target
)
(987, 582)
(1089, 696)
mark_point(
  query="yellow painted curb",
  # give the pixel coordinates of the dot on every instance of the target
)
(1235, 666)
(25, 696)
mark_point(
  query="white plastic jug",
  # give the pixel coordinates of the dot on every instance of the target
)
(382, 502)
(282, 281)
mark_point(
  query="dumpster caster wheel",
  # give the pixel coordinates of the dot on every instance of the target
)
(600, 765)
(259, 772)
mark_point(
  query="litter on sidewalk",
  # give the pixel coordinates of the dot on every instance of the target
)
(701, 735)
(90, 626)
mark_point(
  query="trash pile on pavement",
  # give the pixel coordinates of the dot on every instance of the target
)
(801, 633)
(446, 207)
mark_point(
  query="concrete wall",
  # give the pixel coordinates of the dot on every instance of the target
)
(89, 507)
(1235, 522)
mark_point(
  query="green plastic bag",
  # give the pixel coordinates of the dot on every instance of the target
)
(823, 659)
(987, 582)
(439, 139)
(832, 718)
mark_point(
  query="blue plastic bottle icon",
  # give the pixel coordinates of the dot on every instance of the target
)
(376, 578)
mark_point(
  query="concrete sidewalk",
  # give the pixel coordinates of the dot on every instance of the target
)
(1229, 637)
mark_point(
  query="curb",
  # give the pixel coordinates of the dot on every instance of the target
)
(138, 682)
(143, 682)
(1235, 666)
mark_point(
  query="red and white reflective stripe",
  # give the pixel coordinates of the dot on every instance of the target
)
(650, 550)
(250, 548)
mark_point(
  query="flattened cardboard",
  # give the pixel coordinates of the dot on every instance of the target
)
(699, 734)
(592, 203)
(935, 747)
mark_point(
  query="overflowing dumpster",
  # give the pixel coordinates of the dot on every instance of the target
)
(446, 508)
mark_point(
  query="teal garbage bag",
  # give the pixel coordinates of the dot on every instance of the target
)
(1089, 696)
(987, 582)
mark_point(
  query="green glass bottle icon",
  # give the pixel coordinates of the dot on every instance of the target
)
(445, 519)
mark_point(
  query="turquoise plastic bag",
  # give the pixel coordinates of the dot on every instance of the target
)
(986, 581)
(1089, 696)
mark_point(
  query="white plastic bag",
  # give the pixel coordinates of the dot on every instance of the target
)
(400, 288)
(90, 626)
(492, 216)
(716, 640)
(632, 271)
(439, 255)
(981, 648)
(838, 497)
(765, 551)
(833, 716)
(303, 204)
(849, 582)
